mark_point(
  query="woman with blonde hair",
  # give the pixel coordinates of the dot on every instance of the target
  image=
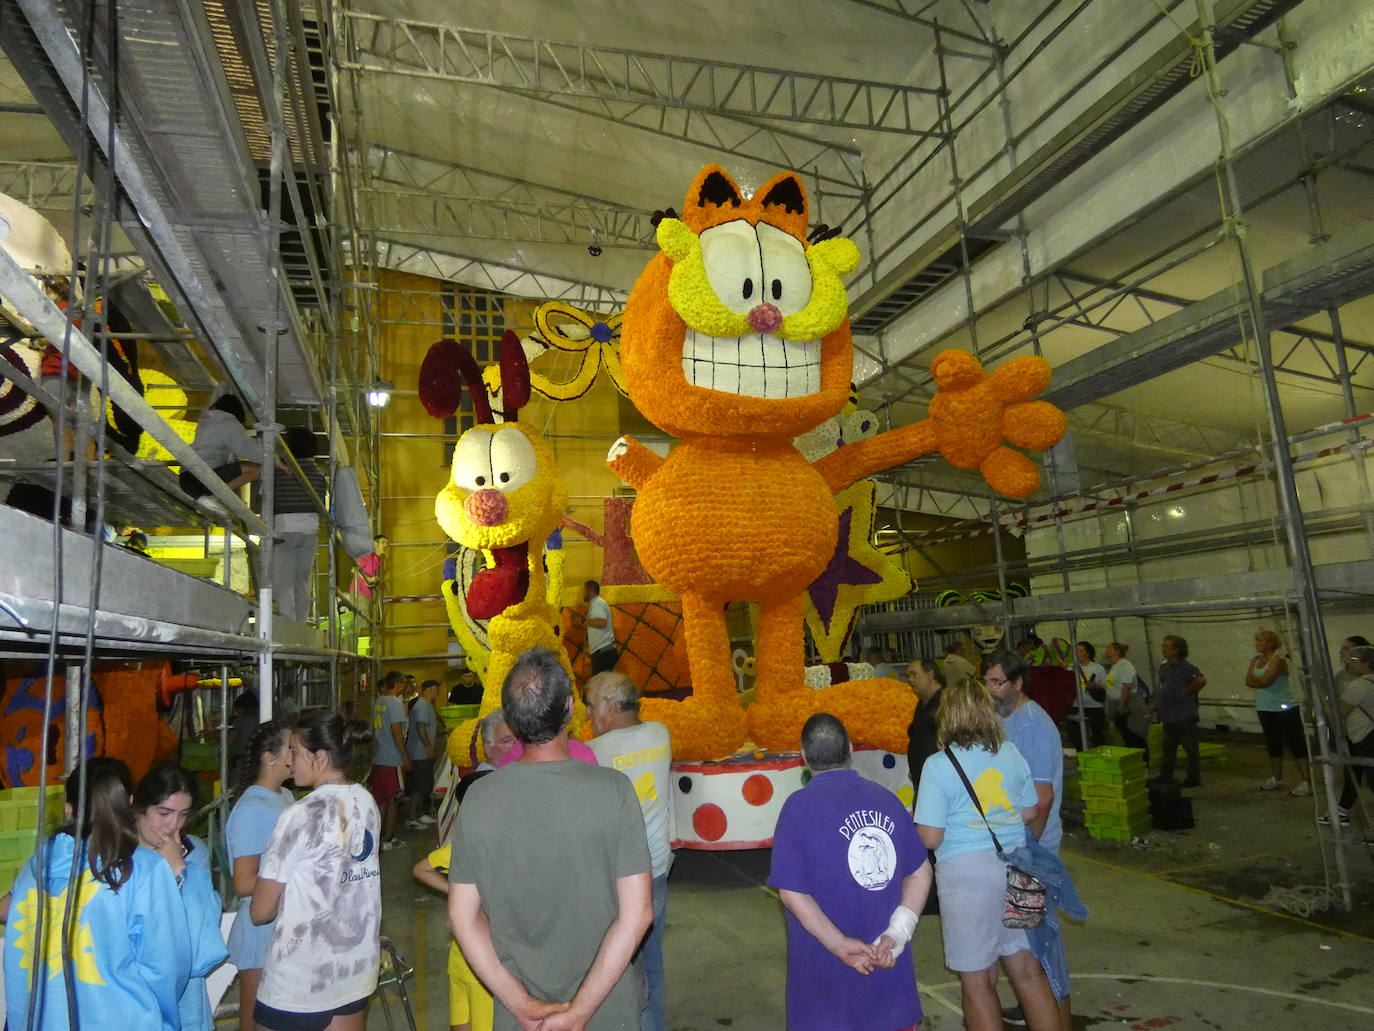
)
(1279, 715)
(976, 795)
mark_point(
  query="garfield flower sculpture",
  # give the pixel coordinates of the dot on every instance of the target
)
(736, 340)
(505, 496)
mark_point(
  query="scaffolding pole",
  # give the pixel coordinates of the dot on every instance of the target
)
(1312, 627)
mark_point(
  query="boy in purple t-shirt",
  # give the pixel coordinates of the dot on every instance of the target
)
(853, 877)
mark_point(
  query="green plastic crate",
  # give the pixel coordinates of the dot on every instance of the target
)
(1123, 835)
(16, 846)
(1110, 757)
(1139, 822)
(1121, 780)
(1093, 790)
(9, 870)
(200, 756)
(19, 810)
(452, 715)
(1135, 804)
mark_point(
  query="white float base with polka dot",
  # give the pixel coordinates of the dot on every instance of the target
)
(734, 803)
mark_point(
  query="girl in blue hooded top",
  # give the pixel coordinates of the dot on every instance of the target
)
(129, 951)
(162, 804)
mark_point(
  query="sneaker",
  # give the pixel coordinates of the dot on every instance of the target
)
(1303, 790)
(393, 845)
(1272, 784)
(414, 825)
(425, 820)
(1342, 815)
(1012, 1015)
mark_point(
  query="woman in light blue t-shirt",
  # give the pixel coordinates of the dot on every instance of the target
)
(1279, 715)
(969, 875)
(260, 804)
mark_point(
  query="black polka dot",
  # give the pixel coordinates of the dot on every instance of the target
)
(684, 784)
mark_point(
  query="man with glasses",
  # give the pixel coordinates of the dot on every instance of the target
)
(1032, 731)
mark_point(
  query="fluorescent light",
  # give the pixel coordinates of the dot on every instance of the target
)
(380, 393)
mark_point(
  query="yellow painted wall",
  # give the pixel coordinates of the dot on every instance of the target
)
(412, 472)
(413, 469)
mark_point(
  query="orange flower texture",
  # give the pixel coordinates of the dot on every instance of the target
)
(736, 339)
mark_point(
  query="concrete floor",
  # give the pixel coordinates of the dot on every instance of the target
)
(1180, 933)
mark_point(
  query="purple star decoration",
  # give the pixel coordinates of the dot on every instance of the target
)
(843, 569)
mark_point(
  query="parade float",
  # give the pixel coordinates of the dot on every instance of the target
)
(736, 342)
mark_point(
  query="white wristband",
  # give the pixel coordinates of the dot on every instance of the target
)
(901, 926)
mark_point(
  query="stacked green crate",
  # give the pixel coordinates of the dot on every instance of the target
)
(1212, 757)
(1116, 806)
(20, 817)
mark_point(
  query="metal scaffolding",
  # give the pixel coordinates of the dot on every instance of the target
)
(283, 333)
(1256, 323)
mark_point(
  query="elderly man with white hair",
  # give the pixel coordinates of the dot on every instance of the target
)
(644, 753)
(497, 738)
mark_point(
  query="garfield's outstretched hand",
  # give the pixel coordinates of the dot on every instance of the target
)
(976, 415)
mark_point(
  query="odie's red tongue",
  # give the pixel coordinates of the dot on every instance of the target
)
(494, 590)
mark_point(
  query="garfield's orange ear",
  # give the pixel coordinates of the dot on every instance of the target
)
(783, 203)
(712, 198)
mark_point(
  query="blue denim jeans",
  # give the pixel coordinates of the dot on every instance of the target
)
(655, 1016)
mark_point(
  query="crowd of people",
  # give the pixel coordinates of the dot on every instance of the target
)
(556, 871)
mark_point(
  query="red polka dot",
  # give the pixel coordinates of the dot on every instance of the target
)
(709, 822)
(757, 790)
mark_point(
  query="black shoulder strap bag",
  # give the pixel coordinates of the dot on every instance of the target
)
(1024, 906)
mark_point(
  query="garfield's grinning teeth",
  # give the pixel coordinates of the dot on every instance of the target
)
(756, 365)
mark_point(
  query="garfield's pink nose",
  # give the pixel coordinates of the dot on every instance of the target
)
(764, 318)
(486, 507)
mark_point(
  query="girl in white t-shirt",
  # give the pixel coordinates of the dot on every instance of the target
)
(321, 881)
(1125, 703)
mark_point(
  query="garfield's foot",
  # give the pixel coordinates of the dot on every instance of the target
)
(875, 712)
(776, 724)
(701, 728)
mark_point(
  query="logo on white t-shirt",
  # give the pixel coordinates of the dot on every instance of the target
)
(360, 844)
(872, 858)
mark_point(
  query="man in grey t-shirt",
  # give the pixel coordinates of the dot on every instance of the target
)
(389, 759)
(552, 852)
(422, 745)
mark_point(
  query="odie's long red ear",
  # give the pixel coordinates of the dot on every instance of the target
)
(515, 377)
(447, 366)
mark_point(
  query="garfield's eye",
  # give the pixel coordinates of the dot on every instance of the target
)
(472, 460)
(731, 255)
(785, 265)
(512, 458)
